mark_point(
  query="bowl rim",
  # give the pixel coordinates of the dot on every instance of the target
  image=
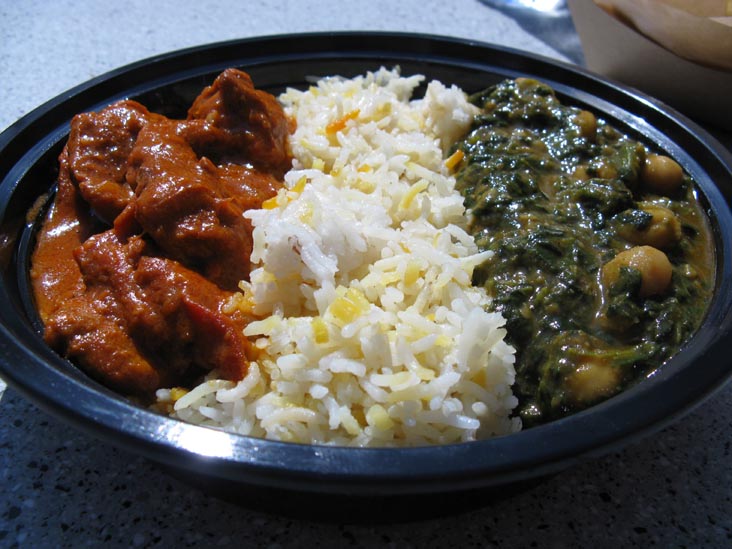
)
(52, 384)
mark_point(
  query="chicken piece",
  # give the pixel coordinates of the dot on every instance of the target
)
(81, 324)
(193, 209)
(99, 145)
(86, 329)
(231, 122)
(173, 316)
(197, 331)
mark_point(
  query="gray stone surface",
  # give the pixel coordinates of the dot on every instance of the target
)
(48, 47)
(63, 488)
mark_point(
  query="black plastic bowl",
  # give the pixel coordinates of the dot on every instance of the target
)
(28, 153)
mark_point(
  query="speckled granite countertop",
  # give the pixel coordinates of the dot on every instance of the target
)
(62, 488)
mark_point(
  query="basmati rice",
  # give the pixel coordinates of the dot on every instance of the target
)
(371, 333)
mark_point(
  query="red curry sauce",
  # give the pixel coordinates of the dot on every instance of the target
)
(145, 241)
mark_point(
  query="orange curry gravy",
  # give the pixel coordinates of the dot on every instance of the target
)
(146, 242)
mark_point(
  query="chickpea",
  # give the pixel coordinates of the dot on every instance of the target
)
(587, 124)
(594, 379)
(580, 173)
(605, 170)
(662, 174)
(523, 83)
(654, 267)
(663, 231)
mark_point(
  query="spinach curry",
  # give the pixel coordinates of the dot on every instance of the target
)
(602, 259)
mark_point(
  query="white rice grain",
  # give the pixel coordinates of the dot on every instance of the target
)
(371, 333)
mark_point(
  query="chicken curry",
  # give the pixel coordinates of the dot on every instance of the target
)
(145, 240)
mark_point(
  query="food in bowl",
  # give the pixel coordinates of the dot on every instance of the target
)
(359, 323)
(602, 256)
(146, 239)
(372, 333)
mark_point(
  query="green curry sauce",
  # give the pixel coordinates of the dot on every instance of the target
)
(557, 194)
